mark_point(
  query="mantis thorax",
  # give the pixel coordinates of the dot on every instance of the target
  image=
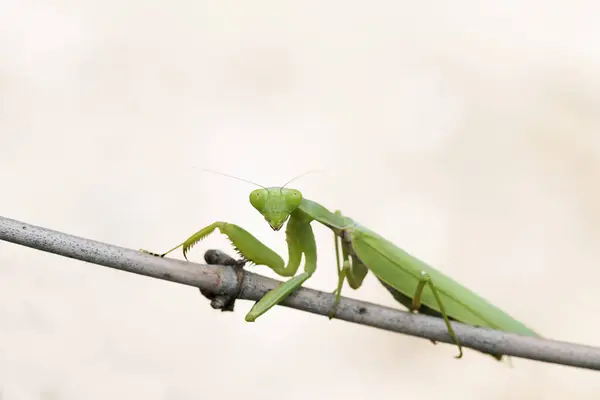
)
(276, 204)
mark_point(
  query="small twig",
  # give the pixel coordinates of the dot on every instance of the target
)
(223, 282)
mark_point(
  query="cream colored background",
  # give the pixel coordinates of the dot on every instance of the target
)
(466, 133)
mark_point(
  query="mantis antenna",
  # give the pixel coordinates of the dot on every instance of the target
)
(256, 184)
(299, 176)
(234, 177)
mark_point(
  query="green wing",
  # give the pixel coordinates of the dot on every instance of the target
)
(400, 270)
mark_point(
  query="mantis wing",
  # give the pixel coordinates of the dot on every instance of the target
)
(402, 272)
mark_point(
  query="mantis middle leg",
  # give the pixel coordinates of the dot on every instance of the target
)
(352, 270)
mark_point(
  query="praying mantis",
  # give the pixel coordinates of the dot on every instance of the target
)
(412, 282)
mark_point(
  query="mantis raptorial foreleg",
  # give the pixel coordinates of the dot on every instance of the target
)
(416, 304)
(245, 243)
(300, 239)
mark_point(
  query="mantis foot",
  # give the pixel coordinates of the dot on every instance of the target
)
(151, 253)
(338, 290)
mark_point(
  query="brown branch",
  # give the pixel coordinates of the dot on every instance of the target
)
(224, 283)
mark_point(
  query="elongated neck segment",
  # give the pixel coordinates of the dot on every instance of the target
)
(333, 220)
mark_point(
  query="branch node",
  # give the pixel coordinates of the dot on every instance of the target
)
(224, 302)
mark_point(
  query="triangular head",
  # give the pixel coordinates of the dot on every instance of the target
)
(276, 204)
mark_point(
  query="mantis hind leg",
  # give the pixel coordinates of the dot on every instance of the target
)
(408, 303)
(416, 304)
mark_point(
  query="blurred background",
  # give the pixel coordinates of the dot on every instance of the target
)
(467, 133)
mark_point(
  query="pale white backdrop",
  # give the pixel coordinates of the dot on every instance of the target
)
(467, 133)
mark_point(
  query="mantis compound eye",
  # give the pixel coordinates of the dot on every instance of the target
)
(258, 199)
(293, 198)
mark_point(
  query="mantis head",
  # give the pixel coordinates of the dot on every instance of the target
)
(275, 204)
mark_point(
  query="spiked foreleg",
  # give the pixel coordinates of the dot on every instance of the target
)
(301, 240)
(248, 246)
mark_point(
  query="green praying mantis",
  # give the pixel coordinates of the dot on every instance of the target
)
(412, 282)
